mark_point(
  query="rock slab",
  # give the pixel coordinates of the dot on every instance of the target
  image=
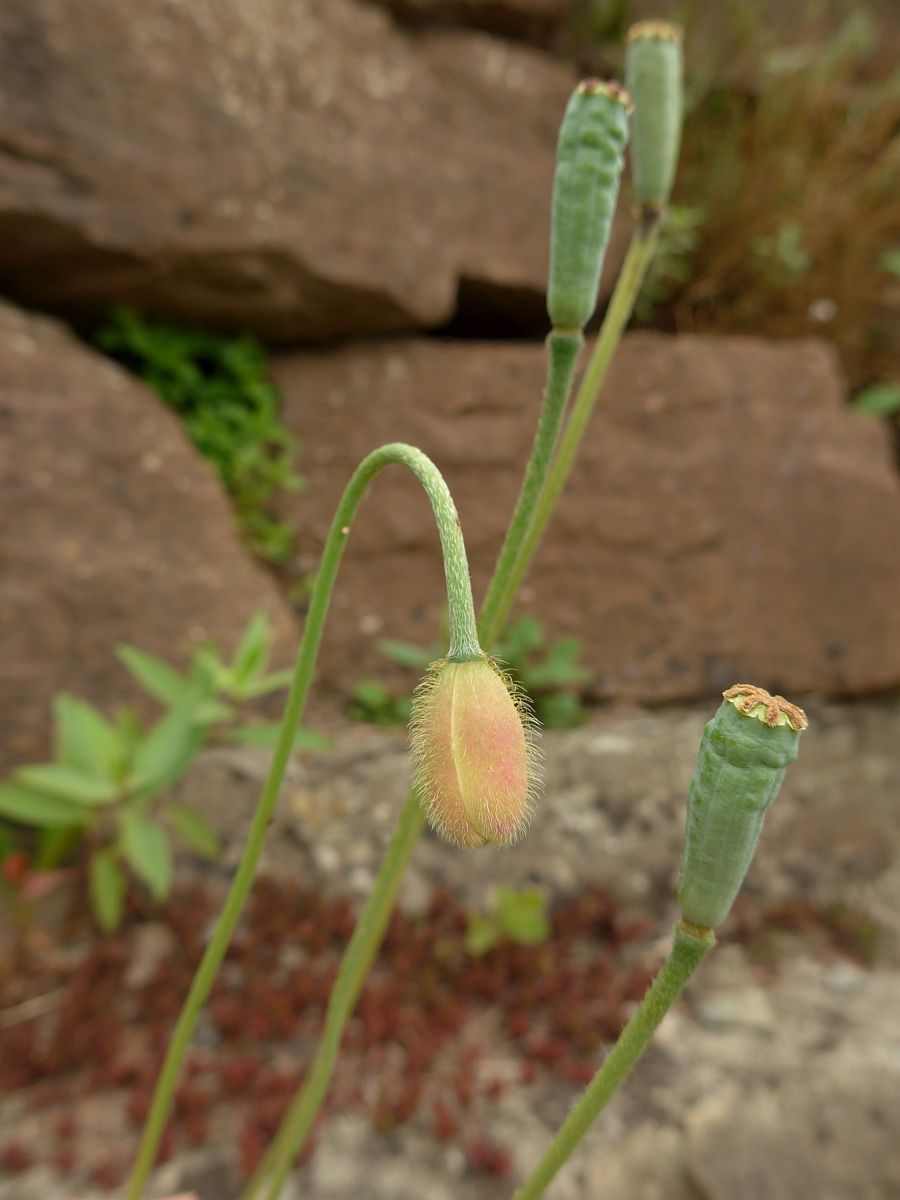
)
(298, 169)
(111, 529)
(729, 518)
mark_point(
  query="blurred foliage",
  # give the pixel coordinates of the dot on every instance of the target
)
(220, 388)
(549, 675)
(517, 916)
(879, 400)
(107, 786)
(672, 265)
(790, 166)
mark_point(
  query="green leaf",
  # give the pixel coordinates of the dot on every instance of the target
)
(106, 883)
(55, 846)
(265, 736)
(7, 844)
(559, 667)
(212, 712)
(65, 783)
(40, 812)
(519, 640)
(878, 400)
(157, 677)
(482, 934)
(407, 654)
(84, 739)
(167, 750)
(146, 847)
(559, 710)
(208, 665)
(277, 681)
(252, 654)
(523, 915)
(193, 828)
(371, 695)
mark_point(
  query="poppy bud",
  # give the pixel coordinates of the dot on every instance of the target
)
(589, 159)
(472, 738)
(745, 750)
(653, 71)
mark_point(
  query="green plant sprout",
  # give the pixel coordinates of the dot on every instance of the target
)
(549, 676)
(472, 734)
(878, 400)
(108, 783)
(106, 786)
(516, 916)
(220, 389)
(371, 702)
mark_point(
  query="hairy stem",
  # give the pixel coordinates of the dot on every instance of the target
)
(563, 351)
(358, 957)
(463, 643)
(640, 252)
(562, 347)
(690, 946)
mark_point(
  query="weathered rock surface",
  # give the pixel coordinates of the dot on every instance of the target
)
(729, 517)
(793, 1094)
(298, 169)
(524, 20)
(111, 529)
(612, 812)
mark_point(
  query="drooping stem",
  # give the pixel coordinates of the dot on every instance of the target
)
(618, 313)
(562, 348)
(690, 946)
(273, 1170)
(463, 643)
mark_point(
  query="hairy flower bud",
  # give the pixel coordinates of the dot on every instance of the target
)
(745, 750)
(473, 748)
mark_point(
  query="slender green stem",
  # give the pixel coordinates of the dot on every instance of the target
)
(640, 252)
(563, 347)
(354, 967)
(690, 946)
(463, 642)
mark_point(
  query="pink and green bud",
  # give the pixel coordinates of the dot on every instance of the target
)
(473, 749)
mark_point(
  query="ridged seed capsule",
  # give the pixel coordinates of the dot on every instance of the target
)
(589, 159)
(744, 752)
(653, 76)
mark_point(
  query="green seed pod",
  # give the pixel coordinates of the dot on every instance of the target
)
(472, 740)
(743, 755)
(653, 73)
(589, 159)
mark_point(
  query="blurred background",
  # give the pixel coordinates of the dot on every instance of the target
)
(240, 246)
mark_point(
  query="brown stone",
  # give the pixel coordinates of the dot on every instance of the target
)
(525, 20)
(829, 1131)
(298, 169)
(112, 530)
(730, 520)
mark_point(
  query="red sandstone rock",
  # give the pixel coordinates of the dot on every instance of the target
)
(298, 169)
(729, 519)
(111, 529)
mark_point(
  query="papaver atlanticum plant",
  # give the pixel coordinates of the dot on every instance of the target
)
(473, 738)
